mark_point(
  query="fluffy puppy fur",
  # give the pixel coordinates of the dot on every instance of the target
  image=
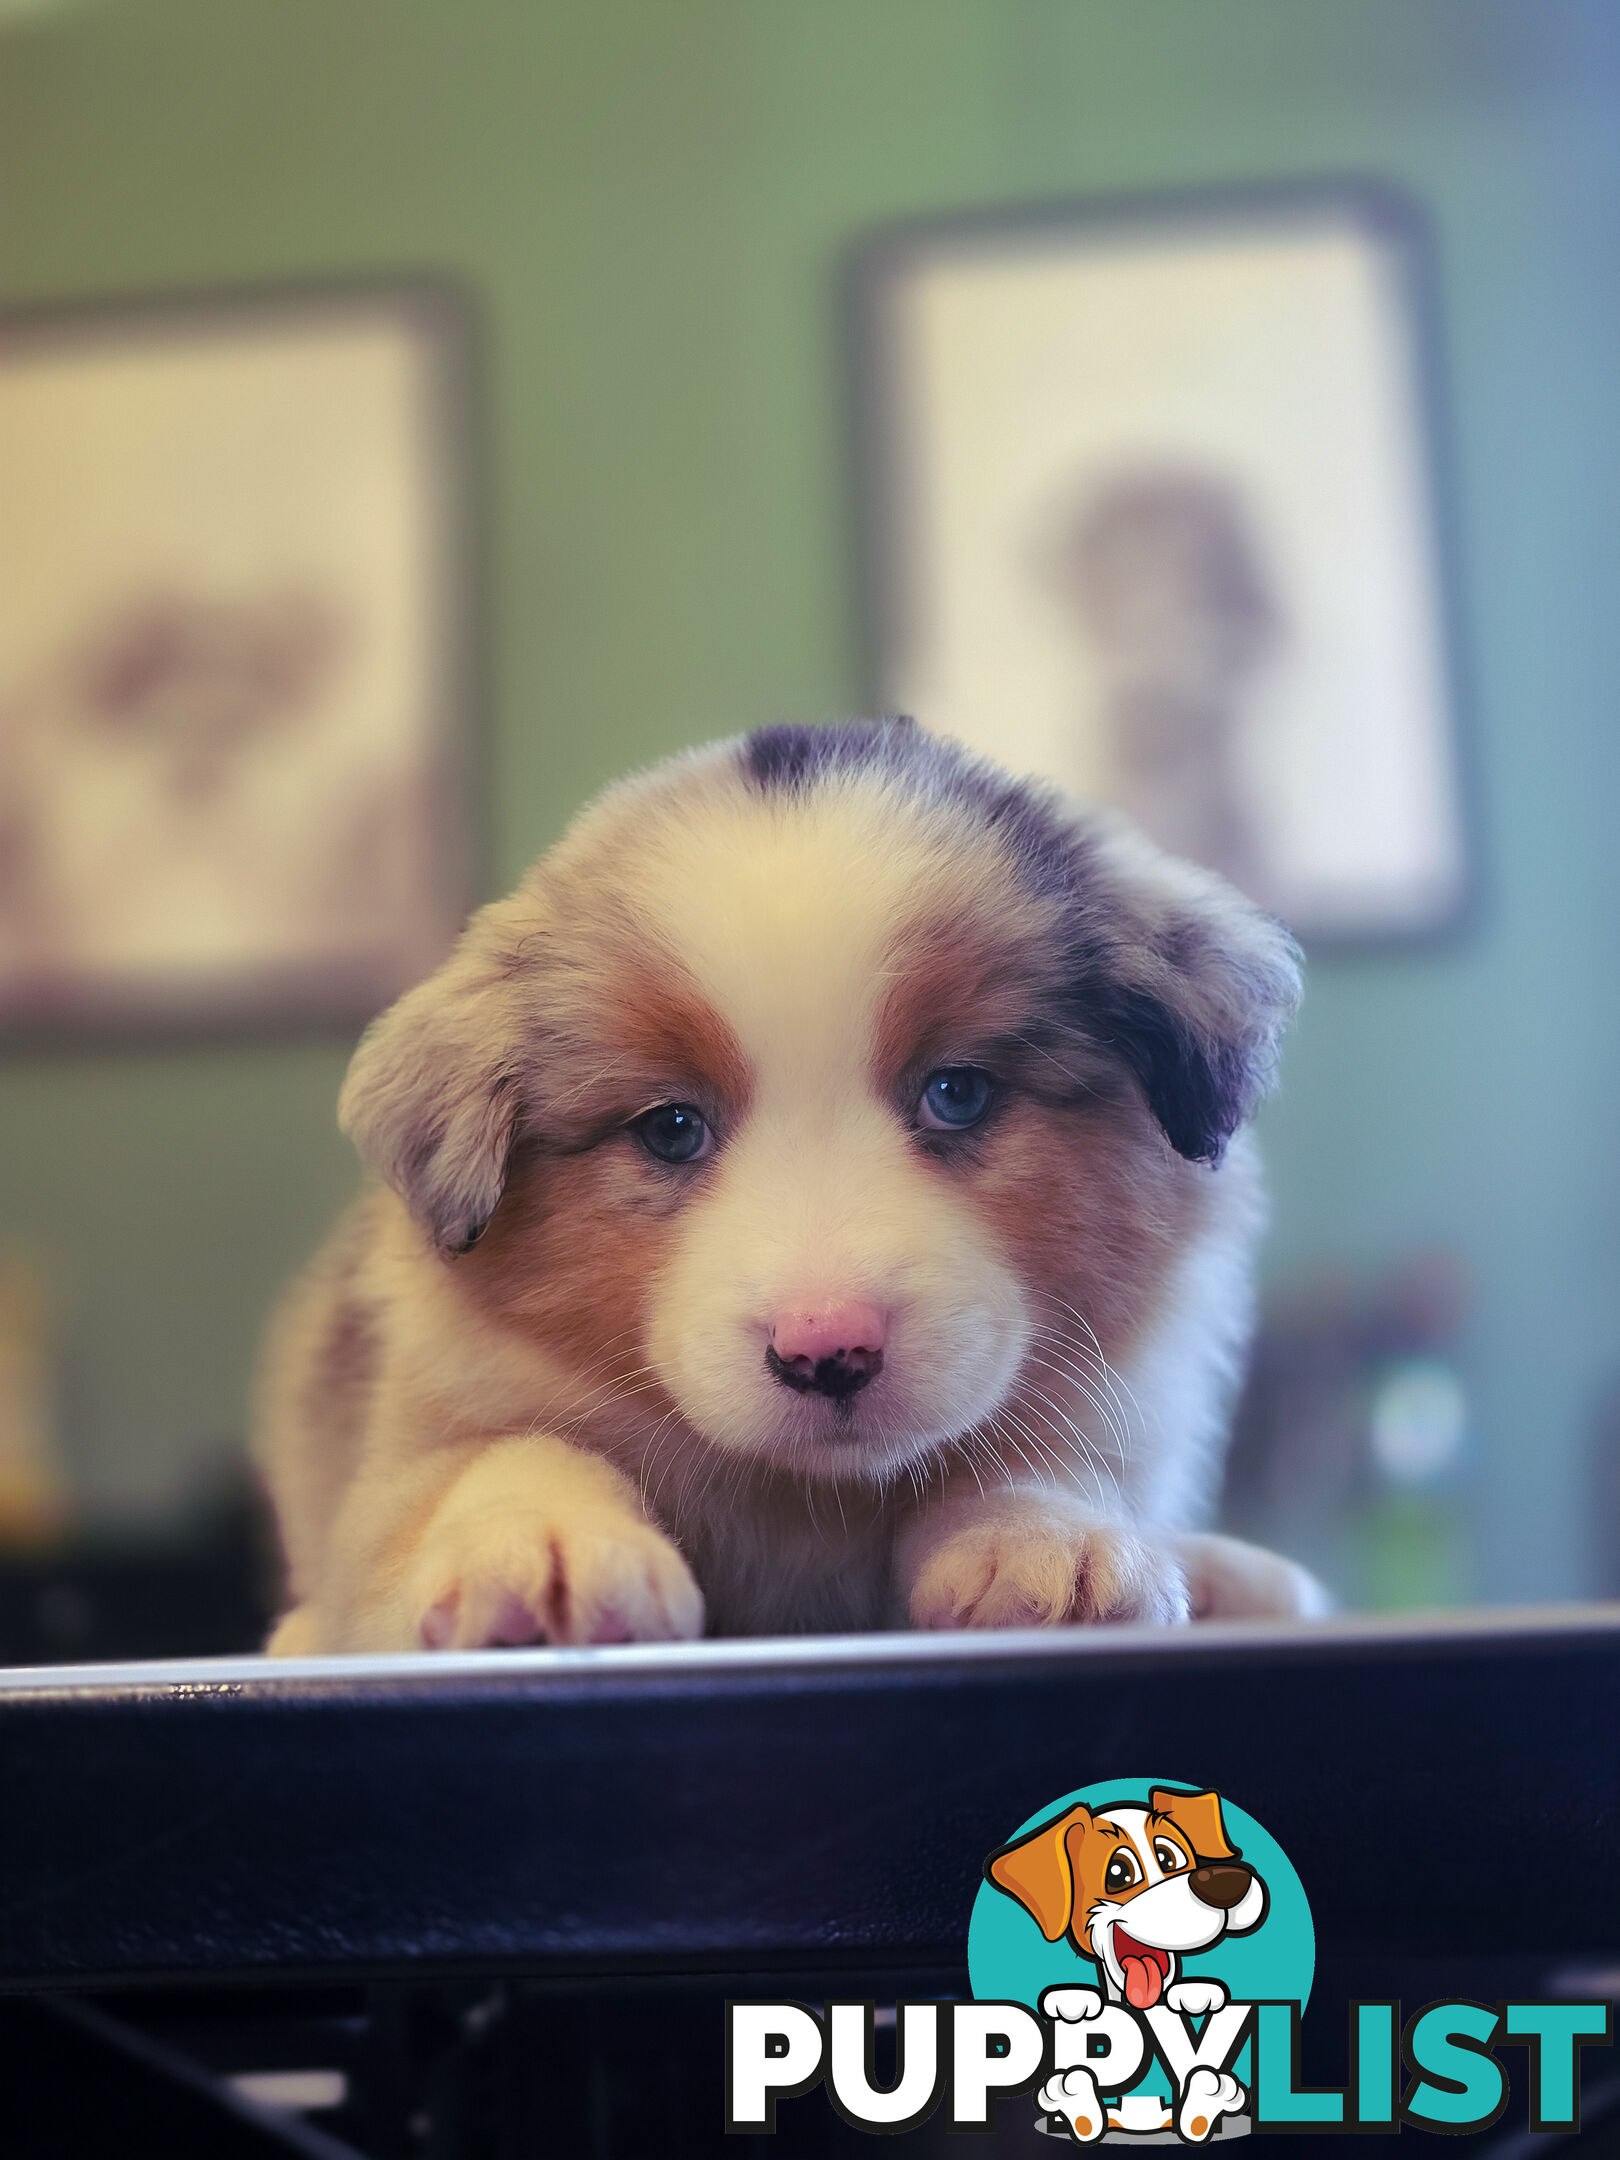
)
(953, 1057)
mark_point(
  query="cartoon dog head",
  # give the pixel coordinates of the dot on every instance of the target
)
(1134, 1888)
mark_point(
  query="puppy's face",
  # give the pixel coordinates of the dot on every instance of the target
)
(814, 1102)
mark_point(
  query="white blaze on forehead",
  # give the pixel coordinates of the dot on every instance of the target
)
(1134, 1822)
(784, 908)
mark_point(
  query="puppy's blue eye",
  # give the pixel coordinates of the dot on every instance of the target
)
(953, 1098)
(675, 1133)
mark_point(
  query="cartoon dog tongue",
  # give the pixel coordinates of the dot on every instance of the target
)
(1143, 1968)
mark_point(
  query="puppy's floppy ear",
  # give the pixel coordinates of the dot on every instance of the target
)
(1198, 1817)
(1038, 1870)
(435, 1088)
(1190, 984)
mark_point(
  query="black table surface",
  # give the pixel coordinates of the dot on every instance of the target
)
(1445, 1785)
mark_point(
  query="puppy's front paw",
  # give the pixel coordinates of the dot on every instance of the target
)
(497, 1580)
(1230, 1580)
(1030, 1571)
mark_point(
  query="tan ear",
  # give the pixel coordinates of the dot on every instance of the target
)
(435, 1088)
(1038, 1871)
(1197, 1816)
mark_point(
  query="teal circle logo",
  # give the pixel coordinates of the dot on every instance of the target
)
(1012, 1956)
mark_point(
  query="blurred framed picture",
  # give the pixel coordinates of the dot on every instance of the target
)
(1150, 510)
(235, 692)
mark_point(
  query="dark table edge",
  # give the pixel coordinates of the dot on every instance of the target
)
(881, 1659)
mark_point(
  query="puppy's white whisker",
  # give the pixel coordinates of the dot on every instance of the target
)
(964, 1448)
(1091, 1360)
(1080, 1320)
(1034, 1396)
(1108, 1463)
(996, 1455)
(652, 1472)
(1116, 1433)
(1096, 1464)
(1041, 1471)
(1062, 1456)
(1113, 1428)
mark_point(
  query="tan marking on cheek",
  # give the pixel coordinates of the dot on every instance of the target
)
(585, 1224)
(571, 1256)
(1093, 1208)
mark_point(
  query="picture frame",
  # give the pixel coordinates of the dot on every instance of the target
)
(1152, 503)
(238, 699)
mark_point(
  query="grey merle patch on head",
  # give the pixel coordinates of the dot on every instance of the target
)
(795, 757)
(1170, 968)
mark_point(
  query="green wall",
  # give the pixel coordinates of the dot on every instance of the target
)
(649, 202)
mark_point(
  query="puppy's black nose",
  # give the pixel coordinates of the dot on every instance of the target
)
(829, 1348)
(840, 1375)
(1222, 1886)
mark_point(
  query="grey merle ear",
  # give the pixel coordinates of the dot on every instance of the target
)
(435, 1089)
(1191, 985)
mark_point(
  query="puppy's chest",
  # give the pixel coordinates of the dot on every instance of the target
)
(775, 1567)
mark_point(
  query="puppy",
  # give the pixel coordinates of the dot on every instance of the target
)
(816, 1199)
